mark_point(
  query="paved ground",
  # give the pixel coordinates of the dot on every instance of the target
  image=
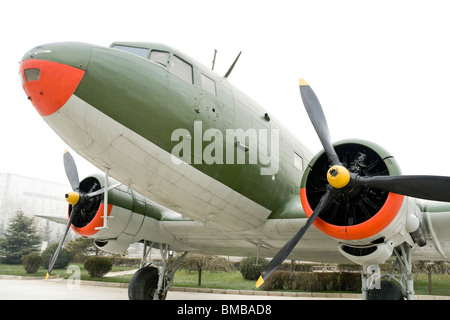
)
(17, 288)
(59, 289)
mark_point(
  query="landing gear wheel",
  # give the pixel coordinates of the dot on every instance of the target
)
(143, 284)
(389, 291)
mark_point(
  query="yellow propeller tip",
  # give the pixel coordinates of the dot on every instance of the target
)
(303, 82)
(259, 282)
(46, 277)
(65, 150)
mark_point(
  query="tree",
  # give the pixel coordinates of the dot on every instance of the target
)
(46, 232)
(200, 262)
(63, 258)
(81, 248)
(20, 239)
(430, 267)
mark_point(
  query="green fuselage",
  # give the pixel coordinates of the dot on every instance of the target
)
(152, 101)
(188, 110)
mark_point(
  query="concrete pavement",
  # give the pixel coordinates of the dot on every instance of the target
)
(29, 288)
(18, 288)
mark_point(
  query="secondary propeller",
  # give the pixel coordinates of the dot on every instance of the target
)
(77, 198)
(341, 180)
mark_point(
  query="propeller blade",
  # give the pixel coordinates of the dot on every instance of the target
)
(418, 186)
(317, 117)
(73, 198)
(71, 171)
(102, 190)
(289, 246)
(56, 254)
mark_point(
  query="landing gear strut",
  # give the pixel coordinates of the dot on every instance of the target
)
(374, 288)
(154, 279)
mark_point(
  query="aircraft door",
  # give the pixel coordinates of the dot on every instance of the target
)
(209, 108)
(183, 95)
(209, 112)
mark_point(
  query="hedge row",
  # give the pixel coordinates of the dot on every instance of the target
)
(96, 266)
(314, 282)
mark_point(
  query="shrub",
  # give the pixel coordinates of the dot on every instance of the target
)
(61, 262)
(251, 270)
(32, 262)
(97, 266)
(313, 281)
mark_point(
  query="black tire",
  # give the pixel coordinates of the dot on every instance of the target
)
(389, 291)
(143, 284)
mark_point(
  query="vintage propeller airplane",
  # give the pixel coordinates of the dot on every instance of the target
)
(203, 168)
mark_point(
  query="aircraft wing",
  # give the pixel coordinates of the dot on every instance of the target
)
(436, 218)
(54, 218)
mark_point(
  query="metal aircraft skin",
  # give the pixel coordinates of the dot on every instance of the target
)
(203, 168)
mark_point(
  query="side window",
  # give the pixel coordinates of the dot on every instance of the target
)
(298, 161)
(208, 84)
(141, 52)
(161, 57)
(181, 69)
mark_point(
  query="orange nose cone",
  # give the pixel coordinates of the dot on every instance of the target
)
(49, 84)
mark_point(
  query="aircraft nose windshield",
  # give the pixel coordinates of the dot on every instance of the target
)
(51, 74)
(32, 74)
(49, 85)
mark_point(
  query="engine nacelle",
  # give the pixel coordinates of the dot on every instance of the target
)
(126, 213)
(115, 246)
(368, 223)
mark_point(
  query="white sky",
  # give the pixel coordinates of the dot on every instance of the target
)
(380, 68)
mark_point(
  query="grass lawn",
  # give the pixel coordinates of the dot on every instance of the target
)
(216, 280)
(440, 284)
(18, 270)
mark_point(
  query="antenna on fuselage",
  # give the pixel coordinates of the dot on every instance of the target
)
(214, 59)
(232, 66)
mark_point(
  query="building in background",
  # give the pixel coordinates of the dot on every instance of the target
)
(33, 197)
(39, 197)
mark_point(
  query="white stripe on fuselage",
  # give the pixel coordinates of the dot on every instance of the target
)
(148, 169)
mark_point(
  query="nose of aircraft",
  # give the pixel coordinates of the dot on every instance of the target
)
(50, 74)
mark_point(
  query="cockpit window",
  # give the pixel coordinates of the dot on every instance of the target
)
(32, 74)
(181, 69)
(161, 57)
(141, 52)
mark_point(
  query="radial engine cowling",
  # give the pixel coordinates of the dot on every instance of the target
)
(360, 215)
(90, 216)
(126, 212)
